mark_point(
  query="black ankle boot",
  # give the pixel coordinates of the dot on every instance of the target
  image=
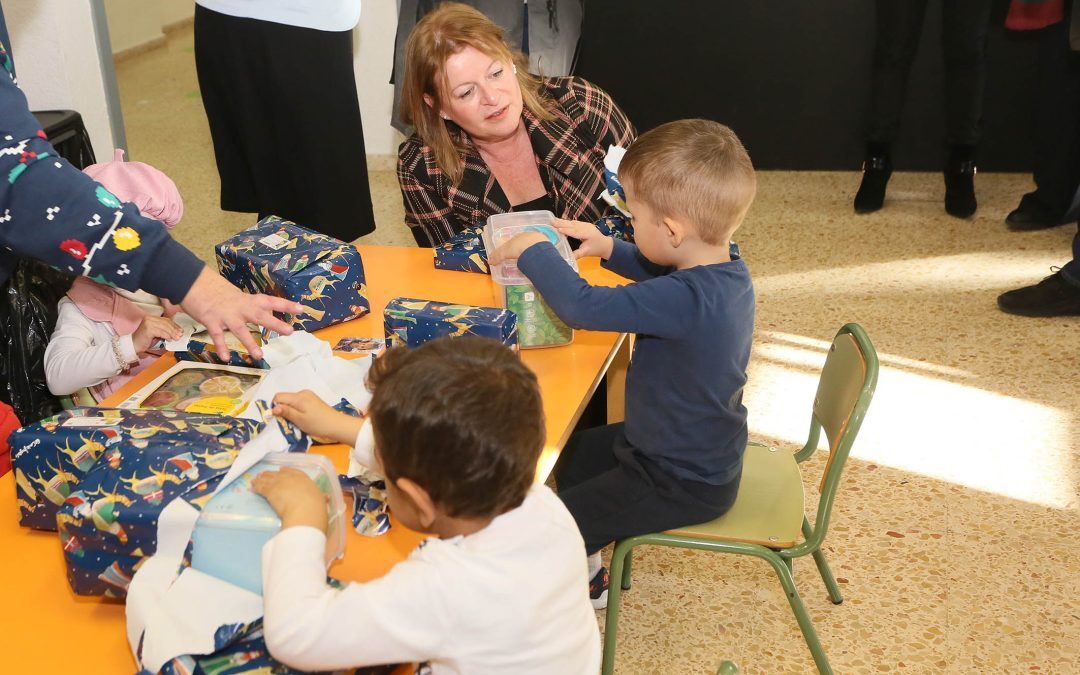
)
(877, 168)
(960, 182)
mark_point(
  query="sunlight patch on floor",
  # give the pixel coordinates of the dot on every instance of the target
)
(924, 421)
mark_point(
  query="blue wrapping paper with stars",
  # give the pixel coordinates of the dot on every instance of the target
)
(51, 457)
(409, 322)
(281, 258)
(464, 252)
(109, 524)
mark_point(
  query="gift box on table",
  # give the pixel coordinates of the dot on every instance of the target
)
(199, 347)
(242, 649)
(410, 322)
(464, 252)
(281, 258)
(109, 524)
(52, 456)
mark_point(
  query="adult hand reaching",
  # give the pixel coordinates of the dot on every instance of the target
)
(218, 305)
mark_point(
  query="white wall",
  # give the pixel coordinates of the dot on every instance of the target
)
(374, 58)
(57, 62)
(58, 66)
(172, 11)
(133, 23)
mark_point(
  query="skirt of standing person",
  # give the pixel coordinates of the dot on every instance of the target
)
(285, 121)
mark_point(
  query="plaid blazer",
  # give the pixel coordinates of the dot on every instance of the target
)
(571, 148)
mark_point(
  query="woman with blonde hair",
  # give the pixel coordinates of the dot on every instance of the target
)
(491, 138)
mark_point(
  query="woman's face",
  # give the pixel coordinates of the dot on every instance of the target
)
(483, 96)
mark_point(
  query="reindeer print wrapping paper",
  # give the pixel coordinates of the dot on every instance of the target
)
(281, 258)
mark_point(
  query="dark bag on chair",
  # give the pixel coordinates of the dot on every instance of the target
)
(27, 319)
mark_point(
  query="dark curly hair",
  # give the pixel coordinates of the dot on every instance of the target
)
(463, 419)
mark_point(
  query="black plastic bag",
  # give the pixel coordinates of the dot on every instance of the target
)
(27, 319)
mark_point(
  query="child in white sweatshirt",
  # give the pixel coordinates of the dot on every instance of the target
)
(103, 335)
(501, 585)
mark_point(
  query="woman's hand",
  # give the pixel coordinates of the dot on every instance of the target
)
(315, 417)
(513, 249)
(218, 305)
(294, 496)
(151, 329)
(593, 241)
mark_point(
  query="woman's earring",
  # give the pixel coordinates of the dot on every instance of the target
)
(515, 68)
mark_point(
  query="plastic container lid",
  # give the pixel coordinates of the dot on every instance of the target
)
(236, 522)
(502, 227)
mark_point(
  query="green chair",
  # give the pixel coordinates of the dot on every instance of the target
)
(768, 514)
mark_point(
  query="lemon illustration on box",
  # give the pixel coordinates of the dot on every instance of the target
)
(194, 387)
(235, 524)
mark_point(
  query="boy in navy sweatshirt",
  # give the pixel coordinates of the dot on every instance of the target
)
(677, 458)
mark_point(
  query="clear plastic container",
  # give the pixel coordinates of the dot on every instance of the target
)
(233, 527)
(502, 227)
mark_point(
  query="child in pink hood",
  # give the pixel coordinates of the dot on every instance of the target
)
(104, 335)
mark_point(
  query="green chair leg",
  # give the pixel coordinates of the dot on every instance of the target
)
(626, 570)
(824, 570)
(801, 615)
(620, 560)
(728, 668)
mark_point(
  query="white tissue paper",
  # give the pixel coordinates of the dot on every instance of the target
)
(176, 613)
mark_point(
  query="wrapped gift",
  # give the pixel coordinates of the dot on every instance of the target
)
(52, 456)
(279, 257)
(411, 322)
(538, 326)
(199, 347)
(242, 649)
(464, 252)
(108, 525)
(616, 226)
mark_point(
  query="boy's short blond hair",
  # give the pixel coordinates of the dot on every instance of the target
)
(693, 169)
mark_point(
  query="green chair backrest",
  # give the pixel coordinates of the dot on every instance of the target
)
(844, 392)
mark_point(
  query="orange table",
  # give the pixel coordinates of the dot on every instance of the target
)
(45, 628)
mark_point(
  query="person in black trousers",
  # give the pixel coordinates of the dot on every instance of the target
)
(899, 26)
(1057, 137)
(285, 120)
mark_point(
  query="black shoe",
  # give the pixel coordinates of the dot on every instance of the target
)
(960, 182)
(1053, 296)
(1027, 220)
(598, 588)
(877, 169)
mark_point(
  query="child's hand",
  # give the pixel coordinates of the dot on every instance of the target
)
(593, 241)
(314, 417)
(151, 329)
(294, 496)
(171, 310)
(513, 249)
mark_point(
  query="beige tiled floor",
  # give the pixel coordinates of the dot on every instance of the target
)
(954, 534)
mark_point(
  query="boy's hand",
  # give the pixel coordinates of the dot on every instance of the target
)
(593, 241)
(294, 496)
(314, 417)
(151, 329)
(513, 249)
